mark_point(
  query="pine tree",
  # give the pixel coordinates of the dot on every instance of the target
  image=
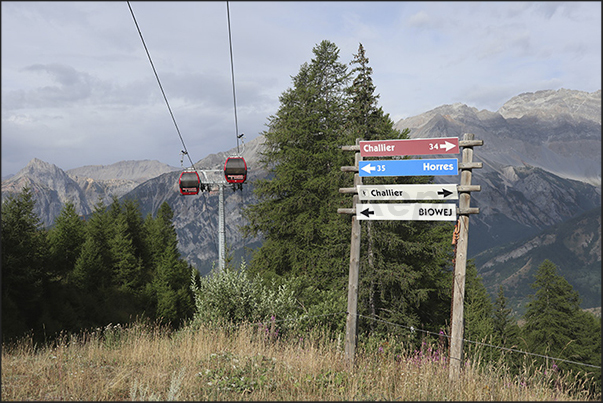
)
(23, 265)
(557, 327)
(478, 314)
(92, 276)
(127, 267)
(403, 276)
(504, 325)
(93, 267)
(478, 307)
(65, 240)
(167, 294)
(135, 229)
(296, 212)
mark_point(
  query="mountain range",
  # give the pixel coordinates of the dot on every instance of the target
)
(540, 191)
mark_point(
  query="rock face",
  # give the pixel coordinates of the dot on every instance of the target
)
(137, 171)
(84, 186)
(541, 160)
(541, 169)
(573, 245)
(558, 131)
(553, 104)
(51, 188)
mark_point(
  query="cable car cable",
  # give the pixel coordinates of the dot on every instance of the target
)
(234, 96)
(160, 86)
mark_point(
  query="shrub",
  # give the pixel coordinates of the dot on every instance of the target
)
(231, 296)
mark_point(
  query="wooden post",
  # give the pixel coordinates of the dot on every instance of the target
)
(460, 266)
(351, 322)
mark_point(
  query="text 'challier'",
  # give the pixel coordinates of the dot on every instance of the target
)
(378, 148)
(386, 192)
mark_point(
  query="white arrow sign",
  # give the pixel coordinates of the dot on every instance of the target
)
(447, 145)
(408, 192)
(407, 211)
(368, 168)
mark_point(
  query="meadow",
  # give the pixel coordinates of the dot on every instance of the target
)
(145, 362)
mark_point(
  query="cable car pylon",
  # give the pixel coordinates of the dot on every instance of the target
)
(234, 171)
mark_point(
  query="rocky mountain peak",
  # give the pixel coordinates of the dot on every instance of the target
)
(41, 171)
(554, 103)
(137, 171)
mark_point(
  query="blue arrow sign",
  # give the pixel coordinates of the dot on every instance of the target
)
(419, 167)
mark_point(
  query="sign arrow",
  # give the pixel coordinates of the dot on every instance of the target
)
(367, 212)
(447, 146)
(368, 168)
(445, 193)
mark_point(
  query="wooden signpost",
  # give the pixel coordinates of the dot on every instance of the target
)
(412, 211)
(460, 262)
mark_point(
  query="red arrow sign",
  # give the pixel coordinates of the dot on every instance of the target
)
(393, 148)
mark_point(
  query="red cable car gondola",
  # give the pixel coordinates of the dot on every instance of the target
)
(235, 170)
(189, 182)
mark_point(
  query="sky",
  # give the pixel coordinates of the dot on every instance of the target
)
(78, 88)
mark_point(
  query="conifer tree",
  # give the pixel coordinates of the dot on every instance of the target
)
(504, 325)
(23, 264)
(93, 266)
(478, 313)
(557, 327)
(92, 276)
(134, 228)
(296, 213)
(167, 294)
(127, 267)
(65, 240)
(403, 264)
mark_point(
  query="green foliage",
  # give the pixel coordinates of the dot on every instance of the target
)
(79, 274)
(232, 296)
(478, 307)
(296, 210)
(557, 327)
(505, 330)
(405, 276)
(65, 240)
(23, 264)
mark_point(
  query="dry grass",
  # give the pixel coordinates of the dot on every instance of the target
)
(143, 362)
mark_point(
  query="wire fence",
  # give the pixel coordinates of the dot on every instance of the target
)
(413, 329)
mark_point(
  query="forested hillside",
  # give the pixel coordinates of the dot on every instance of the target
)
(114, 267)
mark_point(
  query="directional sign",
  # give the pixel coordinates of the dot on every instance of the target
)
(408, 192)
(407, 211)
(392, 148)
(409, 167)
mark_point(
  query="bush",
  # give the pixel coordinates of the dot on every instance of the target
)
(231, 296)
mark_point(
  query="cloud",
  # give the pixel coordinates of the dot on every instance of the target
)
(77, 83)
(420, 20)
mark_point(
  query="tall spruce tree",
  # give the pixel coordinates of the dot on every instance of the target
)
(167, 295)
(23, 265)
(556, 326)
(504, 325)
(403, 277)
(127, 267)
(65, 240)
(408, 279)
(296, 211)
(93, 275)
